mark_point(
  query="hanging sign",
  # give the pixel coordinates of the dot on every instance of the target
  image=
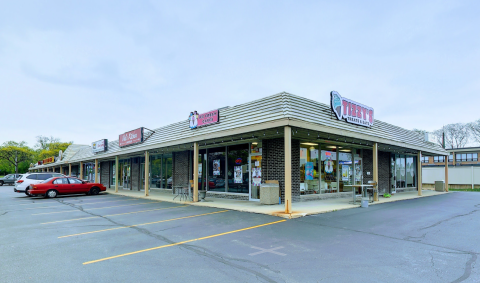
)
(131, 138)
(100, 146)
(199, 120)
(351, 111)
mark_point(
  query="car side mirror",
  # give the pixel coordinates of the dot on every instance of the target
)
(83, 182)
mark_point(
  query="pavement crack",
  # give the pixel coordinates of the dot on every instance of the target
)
(4, 213)
(468, 268)
(448, 219)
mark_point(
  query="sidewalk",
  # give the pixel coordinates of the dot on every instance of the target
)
(299, 208)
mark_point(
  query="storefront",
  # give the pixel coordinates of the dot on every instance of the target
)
(313, 150)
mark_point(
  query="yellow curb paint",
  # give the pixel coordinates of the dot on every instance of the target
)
(96, 208)
(161, 221)
(75, 219)
(184, 242)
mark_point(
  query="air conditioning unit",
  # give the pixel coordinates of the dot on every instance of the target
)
(429, 137)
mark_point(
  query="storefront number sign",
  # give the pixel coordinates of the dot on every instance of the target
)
(131, 138)
(351, 111)
(199, 120)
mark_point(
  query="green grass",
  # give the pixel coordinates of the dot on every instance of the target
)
(465, 190)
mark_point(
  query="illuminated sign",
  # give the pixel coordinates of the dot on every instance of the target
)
(100, 146)
(351, 111)
(199, 120)
(48, 160)
(131, 138)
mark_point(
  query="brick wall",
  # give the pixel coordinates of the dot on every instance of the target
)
(273, 165)
(135, 174)
(180, 168)
(383, 169)
(105, 173)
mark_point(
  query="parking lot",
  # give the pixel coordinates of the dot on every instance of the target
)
(109, 237)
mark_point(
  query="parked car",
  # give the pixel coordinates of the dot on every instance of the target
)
(24, 184)
(9, 179)
(55, 186)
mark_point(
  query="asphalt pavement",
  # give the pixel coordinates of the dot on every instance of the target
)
(109, 238)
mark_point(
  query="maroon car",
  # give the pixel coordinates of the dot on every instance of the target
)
(64, 186)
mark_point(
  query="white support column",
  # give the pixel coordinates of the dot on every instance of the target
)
(195, 171)
(419, 172)
(96, 170)
(446, 173)
(147, 173)
(288, 169)
(116, 174)
(61, 169)
(69, 169)
(375, 166)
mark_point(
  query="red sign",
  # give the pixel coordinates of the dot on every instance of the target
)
(353, 112)
(200, 120)
(130, 138)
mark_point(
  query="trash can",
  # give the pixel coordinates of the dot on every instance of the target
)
(440, 186)
(364, 201)
(269, 193)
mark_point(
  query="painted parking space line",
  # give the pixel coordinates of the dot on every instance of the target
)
(183, 242)
(96, 208)
(136, 225)
(76, 219)
(68, 200)
(78, 204)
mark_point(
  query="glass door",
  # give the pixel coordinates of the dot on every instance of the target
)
(256, 177)
(142, 174)
(126, 176)
(393, 182)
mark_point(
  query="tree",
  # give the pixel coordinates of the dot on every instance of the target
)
(44, 142)
(456, 135)
(475, 130)
(16, 153)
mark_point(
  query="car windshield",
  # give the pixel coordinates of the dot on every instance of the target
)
(47, 180)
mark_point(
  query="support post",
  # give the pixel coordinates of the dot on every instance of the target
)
(446, 173)
(419, 170)
(288, 169)
(195, 171)
(69, 169)
(61, 169)
(116, 174)
(147, 173)
(96, 170)
(81, 170)
(43, 169)
(375, 167)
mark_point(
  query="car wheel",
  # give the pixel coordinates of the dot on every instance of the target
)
(27, 193)
(94, 191)
(52, 194)
(1, 183)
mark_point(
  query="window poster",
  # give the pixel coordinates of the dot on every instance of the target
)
(199, 170)
(216, 167)
(328, 166)
(313, 153)
(256, 176)
(345, 173)
(303, 153)
(309, 171)
(238, 175)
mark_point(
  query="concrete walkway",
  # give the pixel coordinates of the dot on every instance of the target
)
(299, 208)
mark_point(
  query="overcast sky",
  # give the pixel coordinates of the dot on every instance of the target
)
(90, 70)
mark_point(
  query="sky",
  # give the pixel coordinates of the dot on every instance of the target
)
(88, 70)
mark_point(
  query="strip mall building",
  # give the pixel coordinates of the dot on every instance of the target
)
(314, 150)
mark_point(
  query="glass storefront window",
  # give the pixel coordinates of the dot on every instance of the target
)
(328, 182)
(410, 172)
(216, 169)
(309, 173)
(161, 171)
(346, 168)
(403, 171)
(237, 169)
(112, 174)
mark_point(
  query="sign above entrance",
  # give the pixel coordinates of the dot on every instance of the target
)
(199, 120)
(131, 138)
(49, 160)
(353, 112)
(100, 146)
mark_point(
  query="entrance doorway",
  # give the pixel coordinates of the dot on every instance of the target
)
(126, 182)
